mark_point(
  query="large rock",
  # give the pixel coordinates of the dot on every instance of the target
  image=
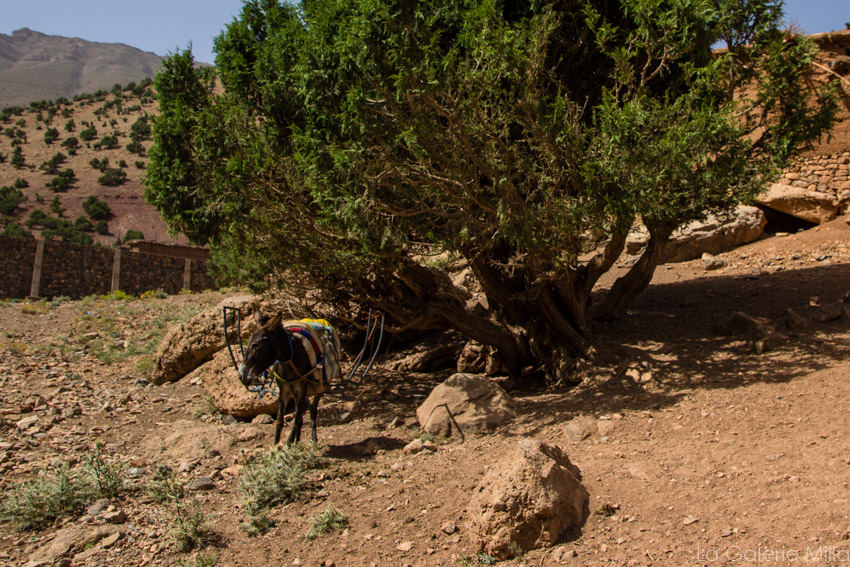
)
(812, 206)
(193, 343)
(527, 502)
(229, 396)
(714, 235)
(473, 403)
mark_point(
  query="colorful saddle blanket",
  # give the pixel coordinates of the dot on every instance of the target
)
(321, 342)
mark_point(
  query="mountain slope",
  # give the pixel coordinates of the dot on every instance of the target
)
(35, 66)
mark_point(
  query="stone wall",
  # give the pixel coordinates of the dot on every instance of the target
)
(826, 174)
(55, 268)
(17, 256)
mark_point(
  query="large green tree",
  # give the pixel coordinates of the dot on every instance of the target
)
(347, 146)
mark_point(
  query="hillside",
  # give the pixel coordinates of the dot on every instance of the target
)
(110, 117)
(35, 66)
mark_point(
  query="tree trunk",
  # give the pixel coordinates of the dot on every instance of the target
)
(626, 288)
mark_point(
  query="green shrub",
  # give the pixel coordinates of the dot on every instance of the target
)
(329, 520)
(10, 199)
(37, 503)
(71, 143)
(83, 224)
(133, 234)
(51, 166)
(101, 227)
(14, 229)
(88, 134)
(63, 181)
(96, 208)
(275, 477)
(51, 135)
(113, 177)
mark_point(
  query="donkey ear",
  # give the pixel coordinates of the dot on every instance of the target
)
(274, 322)
(260, 318)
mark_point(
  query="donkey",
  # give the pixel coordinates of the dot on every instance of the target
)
(302, 356)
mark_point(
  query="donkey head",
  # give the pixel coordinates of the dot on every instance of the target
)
(263, 348)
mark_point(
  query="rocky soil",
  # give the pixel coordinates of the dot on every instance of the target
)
(697, 442)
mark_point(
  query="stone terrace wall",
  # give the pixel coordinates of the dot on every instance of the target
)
(826, 174)
(17, 256)
(76, 271)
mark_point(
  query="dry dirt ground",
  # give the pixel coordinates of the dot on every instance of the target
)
(711, 454)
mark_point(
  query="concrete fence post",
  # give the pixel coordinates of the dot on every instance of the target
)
(36, 269)
(116, 271)
(187, 275)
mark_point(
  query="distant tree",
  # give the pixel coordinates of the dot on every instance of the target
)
(96, 208)
(70, 126)
(10, 199)
(88, 134)
(101, 227)
(83, 223)
(21, 183)
(133, 234)
(135, 147)
(56, 206)
(63, 181)
(108, 142)
(51, 166)
(141, 129)
(113, 177)
(99, 164)
(14, 229)
(51, 135)
(18, 159)
(71, 143)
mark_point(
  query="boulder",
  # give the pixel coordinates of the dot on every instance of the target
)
(716, 234)
(811, 206)
(471, 402)
(228, 395)
(529, 501)
(187, 346)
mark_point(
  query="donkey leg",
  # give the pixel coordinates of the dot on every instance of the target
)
(314, 411)
(298, 419)
(278, 424)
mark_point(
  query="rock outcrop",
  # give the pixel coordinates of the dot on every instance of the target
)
(527, 502)
(473, 403)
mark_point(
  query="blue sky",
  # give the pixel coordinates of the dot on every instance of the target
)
(164, 26)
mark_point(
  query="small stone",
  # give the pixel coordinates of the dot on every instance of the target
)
(203, 483)
(345, 417)
(262, 419)
(97, 507)
(116, 517)
(405, 546)
(135, 472)
(111, 540)
(449, 528)
(690, 520)
(396, 422)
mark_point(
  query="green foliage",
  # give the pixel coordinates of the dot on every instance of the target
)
(51, 135)
(135, 147)
(141, 129)
(56, 206)
(51, 166)
(99, 164)
(10, 199)
(101, 227)
(108, 142)
(190, 527)
(14, 229)
(83, 224)
(371, 136)
(71, 143)
(113, 177)
(63, 181)
(89, 134)
(18, 159)
(133, 234)
(60, 492)
(37, 503)
(275, 477)
(329, 520)
(70, 125)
